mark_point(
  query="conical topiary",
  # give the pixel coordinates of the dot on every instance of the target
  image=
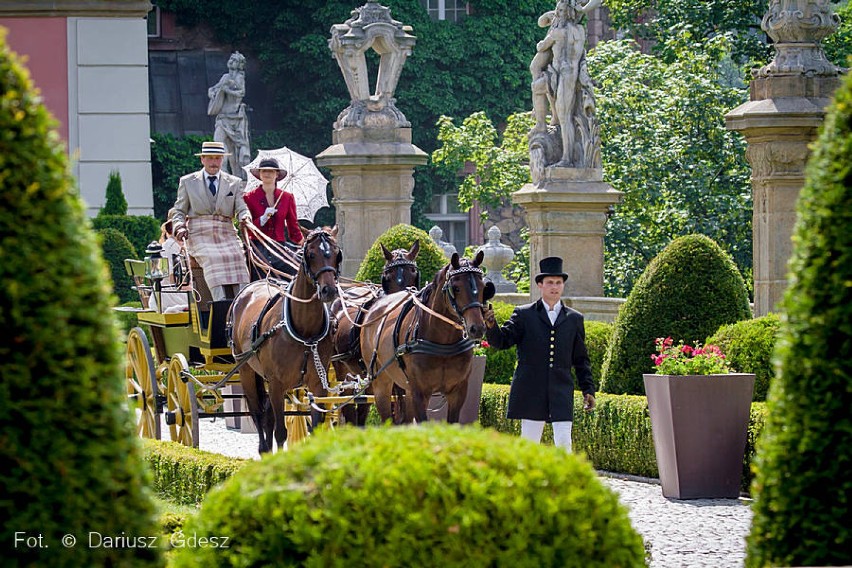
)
(434, 495)
(686, 292)
(72, 471)
(116, 203)
(802, 486)
(429, 260)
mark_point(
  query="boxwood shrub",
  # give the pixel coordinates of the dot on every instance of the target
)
(71, 463)
(803, 510)
(690, 289)
(116, 248)
(435, 495)
(749, 346)
(430, 259)
(140, 230)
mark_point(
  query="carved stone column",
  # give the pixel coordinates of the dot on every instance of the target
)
(786, 107)
(371, 158)
(566, 212)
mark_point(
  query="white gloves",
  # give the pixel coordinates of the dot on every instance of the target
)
(270, 211)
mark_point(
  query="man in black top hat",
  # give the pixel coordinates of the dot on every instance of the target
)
(551, 340)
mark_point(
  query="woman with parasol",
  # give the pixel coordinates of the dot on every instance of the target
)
(273, 212)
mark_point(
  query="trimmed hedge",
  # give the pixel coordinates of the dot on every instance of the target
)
(598, 336)
(749, 346)
(803, 510)
(116, 248)
(616, 436)
(71, 463)
(500, 363)
(690, 289)
(430, 259)
(435, 495)
(184, 475)
(140, 230)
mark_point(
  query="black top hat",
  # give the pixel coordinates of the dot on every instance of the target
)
(550, 266)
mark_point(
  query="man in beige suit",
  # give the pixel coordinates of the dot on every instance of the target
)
(207, 203)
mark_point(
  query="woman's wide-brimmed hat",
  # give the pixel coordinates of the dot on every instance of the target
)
(213, 149)
(550, 266)
(269, 164)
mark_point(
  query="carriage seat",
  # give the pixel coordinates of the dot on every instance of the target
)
(136, 270)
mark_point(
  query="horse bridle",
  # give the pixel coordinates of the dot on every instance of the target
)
(399, 264)
(470, 270)
(325, 249)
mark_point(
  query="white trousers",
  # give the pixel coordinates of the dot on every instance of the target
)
(532, 430)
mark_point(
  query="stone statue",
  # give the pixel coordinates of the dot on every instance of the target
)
(371, 27)
(561, 84)
(437, 235)
(226, 104)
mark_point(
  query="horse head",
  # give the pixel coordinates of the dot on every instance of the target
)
(400, 271)
(320, 260)
(466, 292)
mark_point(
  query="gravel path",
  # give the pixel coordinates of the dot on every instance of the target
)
(691, 533)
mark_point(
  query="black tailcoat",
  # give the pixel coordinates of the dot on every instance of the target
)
(542, 387)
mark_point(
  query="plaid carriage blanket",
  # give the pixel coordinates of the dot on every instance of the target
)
(214, 244)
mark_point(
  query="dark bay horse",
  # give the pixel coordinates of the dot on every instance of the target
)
(399, 273)
(422, 344)
(295, 322)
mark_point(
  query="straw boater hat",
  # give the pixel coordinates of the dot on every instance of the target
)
(550, 266)
(269, 164)
(212, 149)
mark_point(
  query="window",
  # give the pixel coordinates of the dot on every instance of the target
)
(444, 211)
(154, 22)
(452, 10)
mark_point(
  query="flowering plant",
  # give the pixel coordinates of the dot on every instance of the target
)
(680, 359)
(481, 347)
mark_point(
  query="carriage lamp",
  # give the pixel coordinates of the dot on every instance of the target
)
(156, 268)
(156, 265)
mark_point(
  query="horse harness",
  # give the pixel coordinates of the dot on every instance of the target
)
(417, 345)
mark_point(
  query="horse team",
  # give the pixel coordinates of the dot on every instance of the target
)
(404, 343)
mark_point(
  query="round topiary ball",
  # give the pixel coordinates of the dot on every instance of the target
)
(432, 495)
(430, 259)
(687, 291)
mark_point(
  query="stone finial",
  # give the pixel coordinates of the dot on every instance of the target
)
(798, 28)
(371, 27)
(496, 257)
(437, 235)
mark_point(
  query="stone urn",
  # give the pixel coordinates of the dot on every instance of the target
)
(496, 257)
(700, 429)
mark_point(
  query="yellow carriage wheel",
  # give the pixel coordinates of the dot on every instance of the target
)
(181, 403)
(142, 386)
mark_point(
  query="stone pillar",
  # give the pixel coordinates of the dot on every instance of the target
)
(372, 181)
(785, 109)
(371, 158)
(567, 212)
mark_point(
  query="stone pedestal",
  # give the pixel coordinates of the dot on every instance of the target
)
(372, 180)
(566, 213)
(779, 122)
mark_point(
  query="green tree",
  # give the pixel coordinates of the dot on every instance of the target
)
(665, 146)
(70, 463)
(802, 510)
(115, 203)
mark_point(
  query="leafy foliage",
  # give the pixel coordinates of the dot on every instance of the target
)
(689, 290)
(171, 159)
(500, 363)
(683, 359)
(749, 346)
(598, 336)
(448, 497)
(67, 450)
(115, 203)
(802, 513)
(116, 248)
(430, 259)
(140, 230)
(665, 146)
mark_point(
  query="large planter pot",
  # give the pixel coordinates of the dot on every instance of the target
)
(437, 410)
(700, 429)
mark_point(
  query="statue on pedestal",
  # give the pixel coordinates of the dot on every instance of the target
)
(561, 84)
(226, 104)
